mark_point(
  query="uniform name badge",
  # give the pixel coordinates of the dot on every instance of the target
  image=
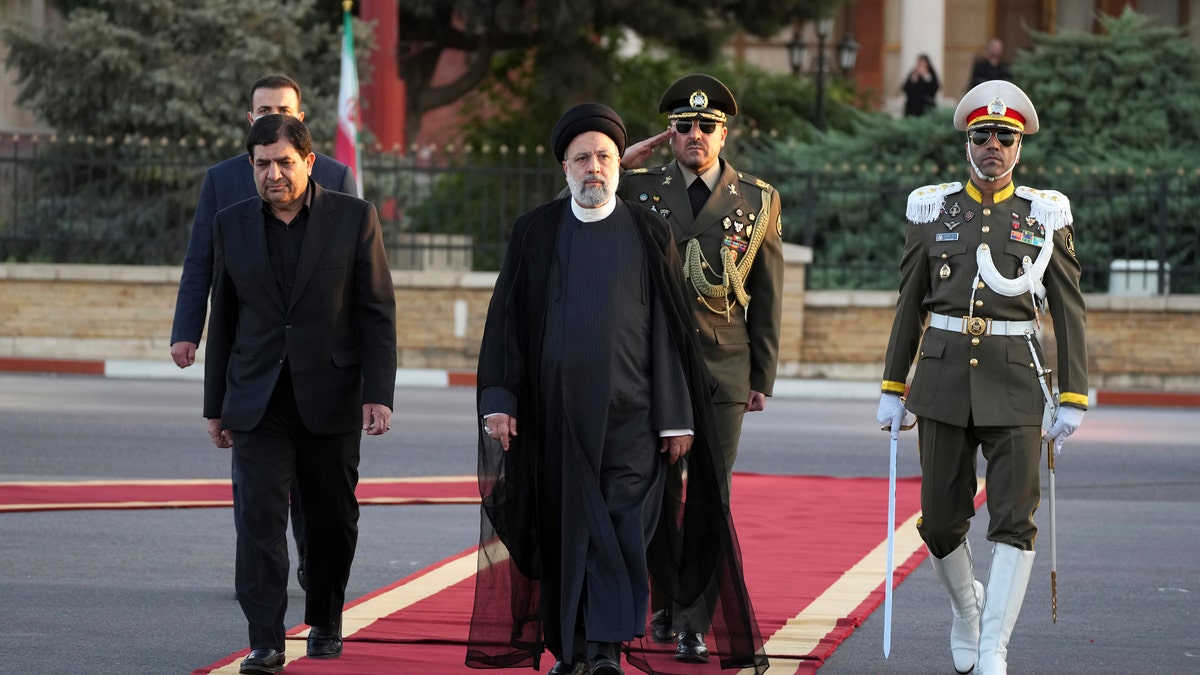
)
(946, 236)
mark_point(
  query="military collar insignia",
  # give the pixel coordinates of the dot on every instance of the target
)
(732, 189)
(667, 179)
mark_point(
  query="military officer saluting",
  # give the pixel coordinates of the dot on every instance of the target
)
(728, 229)
(988, 263)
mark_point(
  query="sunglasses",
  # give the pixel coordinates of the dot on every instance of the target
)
(981, 136)
(685, 126)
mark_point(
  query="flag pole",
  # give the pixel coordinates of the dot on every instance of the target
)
(347, 150)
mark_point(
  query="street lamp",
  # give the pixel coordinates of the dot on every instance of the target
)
(847, 54)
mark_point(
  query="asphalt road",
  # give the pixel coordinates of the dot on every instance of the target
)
(151, 591)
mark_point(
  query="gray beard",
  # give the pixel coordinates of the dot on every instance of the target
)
(591, 197)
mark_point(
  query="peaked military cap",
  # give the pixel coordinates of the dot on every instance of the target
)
(697, 95)
(996, 104)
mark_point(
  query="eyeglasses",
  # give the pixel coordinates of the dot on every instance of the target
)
(685, 126)
(981, 136)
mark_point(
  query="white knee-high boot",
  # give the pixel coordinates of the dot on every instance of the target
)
(966, 603)
(1005, 593)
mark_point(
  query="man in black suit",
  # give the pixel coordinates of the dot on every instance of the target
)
(301, 359)
(226, 183)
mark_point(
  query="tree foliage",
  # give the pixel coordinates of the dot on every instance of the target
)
(1118, 135)
(1125, 96)
(566, 47)
(161, 68)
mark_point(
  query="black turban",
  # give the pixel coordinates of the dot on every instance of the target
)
(583, 118)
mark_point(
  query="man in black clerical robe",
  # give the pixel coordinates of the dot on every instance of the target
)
(589, 345)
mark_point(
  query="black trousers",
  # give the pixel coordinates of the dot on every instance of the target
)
(267, 461)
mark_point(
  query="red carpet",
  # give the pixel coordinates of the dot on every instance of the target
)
(157, 494)
(813, 549)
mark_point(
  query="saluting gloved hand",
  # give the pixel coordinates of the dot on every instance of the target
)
(1065, 423)
(892, 414)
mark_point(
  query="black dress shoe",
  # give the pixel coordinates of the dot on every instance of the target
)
(560, 668)
(602, 665)
(660, 627)
(262, 661)
(691, 648)
(324, 642)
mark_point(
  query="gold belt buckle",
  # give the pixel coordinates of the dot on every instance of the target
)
(977, 325)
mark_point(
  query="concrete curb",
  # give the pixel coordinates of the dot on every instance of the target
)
(829, 390)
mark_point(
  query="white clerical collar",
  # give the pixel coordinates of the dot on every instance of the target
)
(592, 215)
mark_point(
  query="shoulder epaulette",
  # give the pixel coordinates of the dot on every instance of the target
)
(925, 203)
(1049, 207)
(754, 180)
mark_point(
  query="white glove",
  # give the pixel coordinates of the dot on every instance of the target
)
(892, 414)
(1066, 422)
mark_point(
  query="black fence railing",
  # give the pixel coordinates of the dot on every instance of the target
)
(82, 200)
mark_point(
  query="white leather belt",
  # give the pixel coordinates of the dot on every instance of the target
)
(977, 325)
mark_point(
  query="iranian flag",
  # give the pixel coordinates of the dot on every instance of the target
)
(347, 151)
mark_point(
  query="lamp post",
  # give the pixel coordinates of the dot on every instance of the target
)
(847, 55)
(824, 27)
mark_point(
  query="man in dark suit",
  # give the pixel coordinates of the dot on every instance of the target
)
(728, 229)
(226, 183)
(301, 358)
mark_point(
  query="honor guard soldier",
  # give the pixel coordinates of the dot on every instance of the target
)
(728, 229)
(987, 263)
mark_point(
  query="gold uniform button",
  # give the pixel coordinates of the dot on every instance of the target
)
(975, 341)
(944, 256)
(979, 303)
(974, 362)
(1031, 365)
(981, 285)
(987, 212)
(986, 229)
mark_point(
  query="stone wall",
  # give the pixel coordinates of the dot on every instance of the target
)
(90, 312)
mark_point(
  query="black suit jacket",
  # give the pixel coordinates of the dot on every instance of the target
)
(337, 331)
(225, 184)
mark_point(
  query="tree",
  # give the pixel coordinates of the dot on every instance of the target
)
(160, 68)
(1132, 88)
(566, 46)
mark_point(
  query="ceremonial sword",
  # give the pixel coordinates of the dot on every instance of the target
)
(891, 537)
(1044, 379)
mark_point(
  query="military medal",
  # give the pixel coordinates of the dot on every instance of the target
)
(749, 229)
(726, 223)
(752, 216)
(968, 216)
(643, 197)
(945, 271)
(954, 209)
(665, 212)
(737, 226)
(656, 199)
(739, 213)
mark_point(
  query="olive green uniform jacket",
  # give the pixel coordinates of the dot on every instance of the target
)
(741, 349)
(990, 380)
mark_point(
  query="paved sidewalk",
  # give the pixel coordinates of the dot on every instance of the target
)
(826, 390)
